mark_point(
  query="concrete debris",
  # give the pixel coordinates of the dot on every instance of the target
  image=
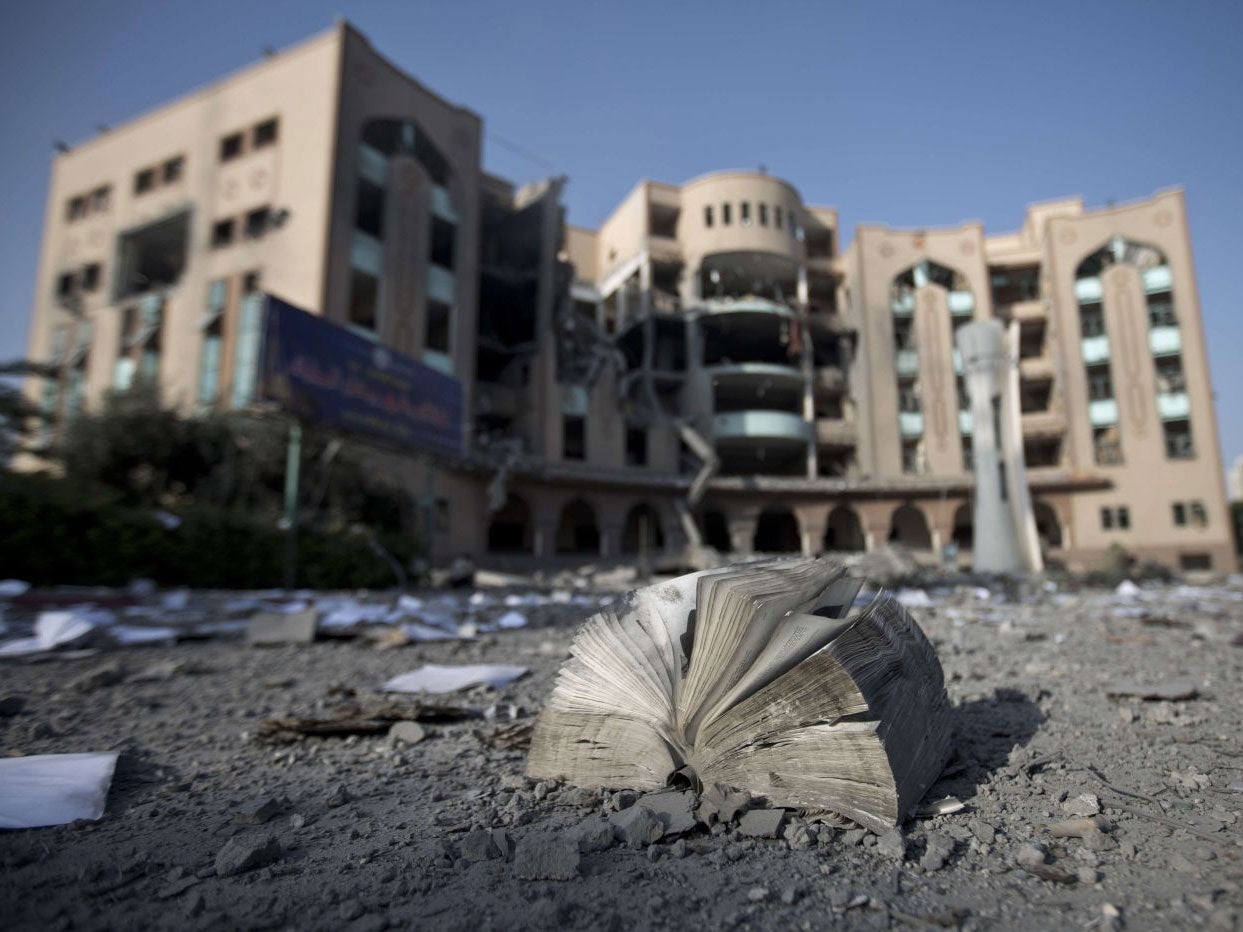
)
(937, 850)
(338, 797)
(675, 810)
(1078, 828)
(1083, 805)
(268, 629)
(478, 846)
(1170, 690)
(1030, 855)
(762, 823)
(369, 716)
(59, 629)
(636, 827)
(546, 856)
(241, 854)
(258, 813)
(406, 733)
(892, 845)
(109, 674)
(982, 830)
(757, 894)
(594, 835)
(721, 804)
(1050, 873)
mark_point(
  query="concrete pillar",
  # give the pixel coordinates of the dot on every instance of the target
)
(610, 539)
(812, 523)
(544, 538)
(742, 530)
(645, 282)
(874, 518)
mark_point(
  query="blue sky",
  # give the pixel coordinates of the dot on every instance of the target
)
(911, 114)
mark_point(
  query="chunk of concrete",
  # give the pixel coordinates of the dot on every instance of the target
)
(636, 827)
(271, 628)
(478, 846)
(245, 853)
(675, 810)
(762, 823)
(545, 856)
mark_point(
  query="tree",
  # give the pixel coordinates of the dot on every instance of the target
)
(20, 420)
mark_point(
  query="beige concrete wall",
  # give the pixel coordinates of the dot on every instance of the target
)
(298, 88)
(1147, 482)
(880, 255)
(623, 234)
(582, 251)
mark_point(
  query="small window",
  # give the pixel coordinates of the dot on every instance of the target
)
(364, 300)
(708, 215)
(144, 181)
(266, 133)
(1199, 515)
(1178, 441)
(1107, 519)
(778, 217)
(257, 223)
(369, 211)
(76, 209)
(1180, 514)
(1190, 562)
(441, 252)
(66, 284)
(230, 147)
(173, 169)
(100, 198)
(763, 215)
(573, 437)
(1124, 517)
(222, 233)
(90, 277)
(251, 282)
(744, 213)
(439, 315)
(636, 446)
(726, 216)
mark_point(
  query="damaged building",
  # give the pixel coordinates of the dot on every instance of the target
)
(708, 371)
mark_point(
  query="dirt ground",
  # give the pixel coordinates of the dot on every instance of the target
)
(371, 833)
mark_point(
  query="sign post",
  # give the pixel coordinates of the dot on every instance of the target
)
(320, 372)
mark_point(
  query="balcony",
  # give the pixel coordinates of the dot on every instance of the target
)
(1043, 423)
(1096, 349)
(761, 425)
(1103, 413)
(664, 249)
(904, 304)
(906, 362)
(1157, 279)
(836, 432)
(1173, 406)
(965, 423)
(961, 303)
(911, 423)
(1088, 290)
(1165, 341)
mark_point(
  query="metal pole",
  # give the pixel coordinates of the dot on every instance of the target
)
(293, 463)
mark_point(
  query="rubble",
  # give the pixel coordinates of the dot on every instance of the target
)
(268, 629)
(761, 823)
(545, 856)
(242, 853)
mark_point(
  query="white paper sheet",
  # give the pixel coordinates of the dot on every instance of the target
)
(56, 629)
(54, 789)
(435, 678)
(9, 588)
(512, 620)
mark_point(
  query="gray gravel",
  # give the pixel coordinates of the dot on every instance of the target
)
(208, 828)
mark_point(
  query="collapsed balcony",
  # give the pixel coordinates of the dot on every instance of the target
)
(749, 274)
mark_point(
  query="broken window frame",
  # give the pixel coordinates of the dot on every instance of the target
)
(265, 133)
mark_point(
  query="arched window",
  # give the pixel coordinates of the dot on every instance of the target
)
(510, 528)
(909, 528)
(577, 531)
(843, 532)
(642, 527)
(776, 532)
(716, 532)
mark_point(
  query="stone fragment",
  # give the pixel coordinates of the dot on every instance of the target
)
(258, 812)
(789, 896)
(636, 827)
(623, 799)
(892, 845)
(1096, 840)
(937, 851)
(1088, 875)
(546, 856)
(581, 797)
(762, 823)
(678, 849)
(244, 853)
(675, 810)
(504, 845)
(594, 835)
(406, 733)
(983, 831)
(757, 894)
(721, 804)
(1077, 828)
(1169, 690)
(653, 853)
(1050, 873)
(339, 796)
(1084, 805)
(1029, 855)
(853, 836)
(478, 846)
(798, 836)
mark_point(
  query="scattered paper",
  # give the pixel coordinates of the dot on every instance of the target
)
(138, 634)
(10, 588)
(417, 632)
(268, 628)
(56, 629)
(435, 678)
(54, 789)
(512, 620)
(1127, 589)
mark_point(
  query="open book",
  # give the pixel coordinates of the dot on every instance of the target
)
(787, 679)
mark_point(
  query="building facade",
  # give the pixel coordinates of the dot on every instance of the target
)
(707, 369)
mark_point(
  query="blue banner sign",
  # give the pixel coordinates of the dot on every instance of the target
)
(322, 372)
